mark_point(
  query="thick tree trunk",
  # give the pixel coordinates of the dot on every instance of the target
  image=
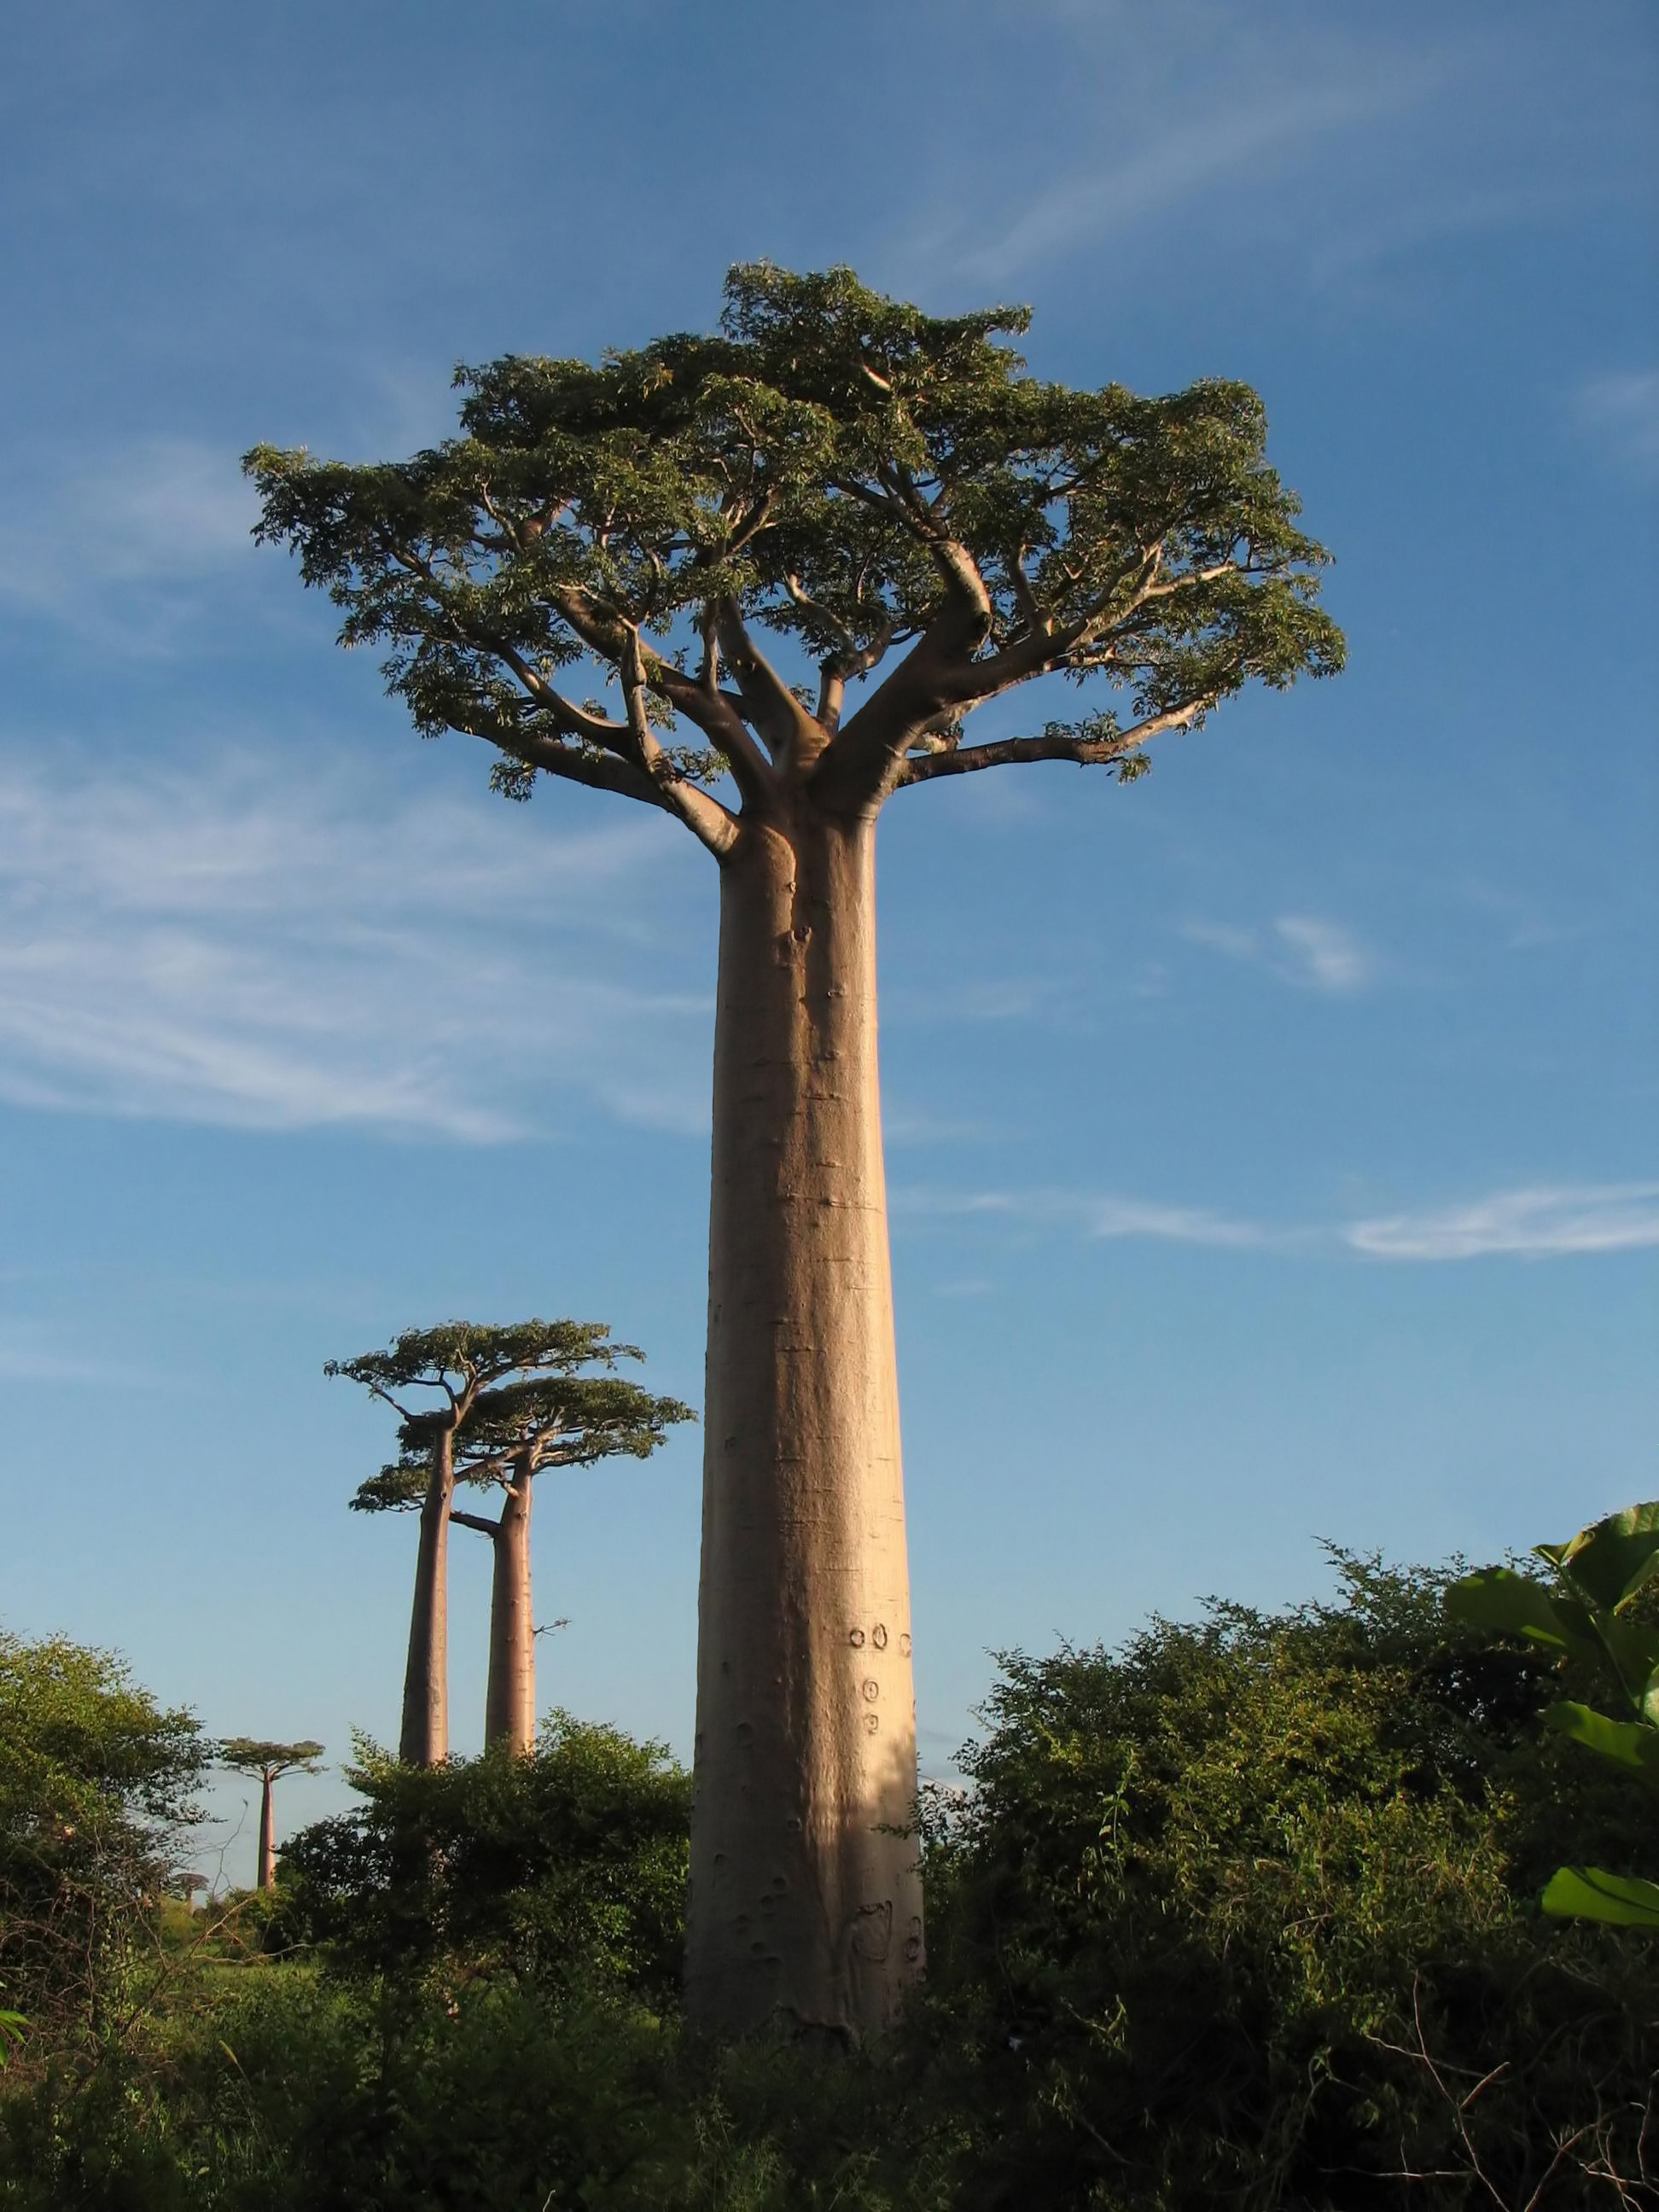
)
(510, 1698)
(267, 1832)
(424, 1738)
(805, 1906)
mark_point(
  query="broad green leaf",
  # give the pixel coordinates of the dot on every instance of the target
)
(1588, 1893)
(1633, 1646)
(1608, 1562)
(1497, 1597)
(1627, 1743)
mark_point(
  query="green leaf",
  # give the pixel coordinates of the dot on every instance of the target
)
(1627, 1743)
(1588, 1893)
(1515, 1605)
(1608, 1562)
(1633, 1646)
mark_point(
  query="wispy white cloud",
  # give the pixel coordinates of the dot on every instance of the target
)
(1260, 113)
(224, 948)
(1537, 1223)
(1093, 1214)
(1195, 109)
(1325, 954)
(113, 545)
(1534, 1224)
(1304, 949)
(1622, 412)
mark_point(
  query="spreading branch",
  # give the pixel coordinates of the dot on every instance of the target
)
(1057, 743)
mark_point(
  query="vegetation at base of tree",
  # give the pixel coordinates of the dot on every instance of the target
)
(1242, 1914)
(567, 1866)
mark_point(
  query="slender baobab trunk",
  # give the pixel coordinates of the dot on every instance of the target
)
(424, 1740)
(510, 1698)
(510, 1693)
(267, 1831)
(805, 1906)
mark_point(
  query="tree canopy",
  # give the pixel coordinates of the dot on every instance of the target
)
(849, 473)
(458, 1358)
(249, 1754)
(96, 1807)
(550, 1419)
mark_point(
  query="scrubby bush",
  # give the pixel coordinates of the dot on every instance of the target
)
(94, 1806)
(566, 1866)
(1242, 1915)
(1245, 1914)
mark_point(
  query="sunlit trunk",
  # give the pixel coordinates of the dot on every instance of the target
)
(510, 1698)
(805, 1906)
(424, 1738)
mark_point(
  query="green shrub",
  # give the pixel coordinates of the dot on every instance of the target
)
(95, 1802)
(1240, 1915)
(566, 1865)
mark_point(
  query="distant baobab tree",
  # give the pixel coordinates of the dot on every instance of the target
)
(922, 526)
(267, 1763)
(431, 1377)
(509, 1436)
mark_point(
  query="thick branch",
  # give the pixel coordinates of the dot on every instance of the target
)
(1086, 752)
(707, 819)
(605, 635)
(934, 682)
(475, 1521)
(597, 771)
(572, 720)
(717, 716)
(858, 768)
(788, 729)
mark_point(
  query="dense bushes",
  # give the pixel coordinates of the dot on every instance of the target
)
(568, 1866)
(1242, 1915)
(94, 1787)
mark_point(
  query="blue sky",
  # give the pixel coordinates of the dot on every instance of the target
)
(1273, 1142)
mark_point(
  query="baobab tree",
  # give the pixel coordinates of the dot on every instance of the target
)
(509, 1436)
(431, 1377)
(922, 526)
(267, 1763)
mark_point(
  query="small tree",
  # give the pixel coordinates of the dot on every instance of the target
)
(451, 1364)
(95, 1810)
(922, 526)
(510, 1435)
(268, 1763)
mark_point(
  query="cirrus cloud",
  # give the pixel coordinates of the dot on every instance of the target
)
(1538, 1223)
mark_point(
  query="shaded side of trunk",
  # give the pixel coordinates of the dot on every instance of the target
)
(423, 1740)
(806, 1907)
(267, 1831)
(510, 1699)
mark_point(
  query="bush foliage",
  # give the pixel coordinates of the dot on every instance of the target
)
(1243, 1914)
(568, 1866)
(94, 1803)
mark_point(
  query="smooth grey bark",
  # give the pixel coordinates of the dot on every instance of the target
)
(423, 1740)
(805, 1906)
(510, 1692)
